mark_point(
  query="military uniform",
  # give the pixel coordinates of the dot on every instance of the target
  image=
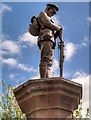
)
(46, 41)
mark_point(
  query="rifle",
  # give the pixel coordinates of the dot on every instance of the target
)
(61, 47)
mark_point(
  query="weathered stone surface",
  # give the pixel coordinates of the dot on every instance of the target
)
(48, 98)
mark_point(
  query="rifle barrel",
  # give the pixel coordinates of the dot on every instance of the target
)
(61, 47)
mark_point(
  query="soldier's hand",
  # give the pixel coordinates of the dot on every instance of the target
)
(61, 27)
(56, 34)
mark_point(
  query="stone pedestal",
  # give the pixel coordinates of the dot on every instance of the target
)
(49, 98)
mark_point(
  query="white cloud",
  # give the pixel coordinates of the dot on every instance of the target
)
(28, 38)
(25, 67)
(83, 78)
(89, 19)
(69, 51)
(12, 76)
(0, 54)
(10, 61)
(5, 7)
(54, 67)
(66, 74)
(22, 66)
(10, 47)
(0, 50)
(84, 42)
(37, 76)
(15, 64)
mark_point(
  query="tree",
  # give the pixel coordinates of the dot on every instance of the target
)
(9, 107)
(78, 112)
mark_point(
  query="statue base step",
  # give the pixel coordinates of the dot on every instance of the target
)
(49, 98)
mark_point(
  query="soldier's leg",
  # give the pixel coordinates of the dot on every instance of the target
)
(43, 64)
(46, 58)
(49, 58)
(48, 73)
(49, 62)
(43, 69)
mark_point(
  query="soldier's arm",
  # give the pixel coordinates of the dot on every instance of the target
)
(47, 22)
(58, 34)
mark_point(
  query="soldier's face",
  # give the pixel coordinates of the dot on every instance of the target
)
(51, 12)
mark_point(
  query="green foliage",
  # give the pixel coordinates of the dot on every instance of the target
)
(78, 113)
(87, 114)
(9, 107)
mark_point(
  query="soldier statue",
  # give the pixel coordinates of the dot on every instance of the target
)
(49, 31)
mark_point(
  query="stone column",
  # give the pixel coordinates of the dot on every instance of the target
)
(49, 98)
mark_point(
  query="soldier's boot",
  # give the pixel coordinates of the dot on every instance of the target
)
(43, 70)
(48, 73)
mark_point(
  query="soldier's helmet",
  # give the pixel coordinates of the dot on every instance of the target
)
(54, 7)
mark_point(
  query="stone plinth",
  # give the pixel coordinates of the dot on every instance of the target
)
(48, 98)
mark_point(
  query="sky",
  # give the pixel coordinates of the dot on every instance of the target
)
(20, 55)
(46, 0)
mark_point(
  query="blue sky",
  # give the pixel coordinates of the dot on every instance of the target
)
(19, 49)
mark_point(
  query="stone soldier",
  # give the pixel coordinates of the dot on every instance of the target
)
(46, 39)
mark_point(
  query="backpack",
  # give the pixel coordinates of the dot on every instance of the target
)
(34, 28)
